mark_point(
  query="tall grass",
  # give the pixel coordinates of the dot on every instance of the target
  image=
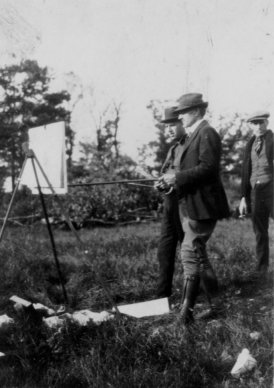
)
(126, 352)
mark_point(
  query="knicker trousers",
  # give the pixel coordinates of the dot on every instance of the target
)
(193, 248)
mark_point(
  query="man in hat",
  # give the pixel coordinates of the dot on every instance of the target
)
(202, 200)
(171, 228)
(257, 184)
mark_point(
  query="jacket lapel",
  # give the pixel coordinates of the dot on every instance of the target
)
(250, 143)
(269, 146)
(167, 161)
(193, 136)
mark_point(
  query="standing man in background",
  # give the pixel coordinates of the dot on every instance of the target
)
(171, 228)
(202, 200)
(257, 184)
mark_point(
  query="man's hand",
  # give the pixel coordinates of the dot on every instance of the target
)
(161, 186)
(168, 179)
(243, 207)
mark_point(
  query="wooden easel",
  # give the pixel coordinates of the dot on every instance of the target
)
(35, 163)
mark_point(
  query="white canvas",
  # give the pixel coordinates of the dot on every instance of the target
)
(48, 144)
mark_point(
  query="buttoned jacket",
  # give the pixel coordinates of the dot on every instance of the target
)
(169, 158)
(246, 167)
(198, 182)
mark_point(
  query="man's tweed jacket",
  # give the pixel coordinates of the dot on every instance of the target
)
(198, 180)
(246, 167)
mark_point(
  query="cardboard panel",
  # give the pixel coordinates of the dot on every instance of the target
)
(48, 144)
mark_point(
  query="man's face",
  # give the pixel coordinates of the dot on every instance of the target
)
(258, 127)
(175, 130)
(188, 118)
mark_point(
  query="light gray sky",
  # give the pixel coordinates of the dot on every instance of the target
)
(137, 50)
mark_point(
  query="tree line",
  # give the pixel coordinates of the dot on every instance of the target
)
(26, 102)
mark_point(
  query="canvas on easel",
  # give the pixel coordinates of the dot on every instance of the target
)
(48, 142)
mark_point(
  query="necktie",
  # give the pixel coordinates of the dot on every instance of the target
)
(187, 136)
(259, 144)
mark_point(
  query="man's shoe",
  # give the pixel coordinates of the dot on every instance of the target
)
(212, 312)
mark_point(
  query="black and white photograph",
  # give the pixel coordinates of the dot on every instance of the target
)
(136, 192)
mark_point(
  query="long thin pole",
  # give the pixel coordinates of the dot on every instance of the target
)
(12, 199)
(50, 233)
(125, 181)
(140, 185)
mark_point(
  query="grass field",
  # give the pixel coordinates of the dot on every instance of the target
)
(126, 352)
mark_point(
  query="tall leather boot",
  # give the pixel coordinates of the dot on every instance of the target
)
(209, 282)
(190, 292)
(209, 285)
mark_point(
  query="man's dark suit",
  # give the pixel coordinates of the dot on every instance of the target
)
(202, 201)
(246, 168)
(259, 200)
(198, 180)
(198, 183)
(171, 234)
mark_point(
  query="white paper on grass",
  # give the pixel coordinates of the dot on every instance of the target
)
(48, 144)
(146, 309)
(22, 302)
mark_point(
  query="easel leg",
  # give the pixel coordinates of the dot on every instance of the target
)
(12, 199)
(50, 233)
(59, 203)
(75, 233)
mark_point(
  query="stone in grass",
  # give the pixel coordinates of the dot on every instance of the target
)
(44, 310)
(55, 322)
(245, 362)
(255, 335)
(20, 305)
(83, 317)
(5, 322)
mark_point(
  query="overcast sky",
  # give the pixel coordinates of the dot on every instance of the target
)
(137, 50)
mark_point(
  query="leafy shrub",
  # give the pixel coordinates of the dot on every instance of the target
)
(89, 205)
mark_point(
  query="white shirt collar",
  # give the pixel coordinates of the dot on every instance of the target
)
(194, 126)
